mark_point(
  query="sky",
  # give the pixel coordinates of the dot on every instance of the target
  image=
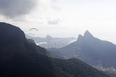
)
(62, 18)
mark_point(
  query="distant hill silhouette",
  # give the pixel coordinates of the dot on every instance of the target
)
(91, 50)
(48, 37)
(22, 58)
(50, 42)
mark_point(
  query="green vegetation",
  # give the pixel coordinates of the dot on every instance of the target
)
(36, 65)
(54, 53)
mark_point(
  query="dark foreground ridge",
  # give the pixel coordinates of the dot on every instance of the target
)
(20, 58)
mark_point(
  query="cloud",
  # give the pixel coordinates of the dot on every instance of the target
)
(56, 7)
(44, 1)
(35, 19)
(54, 21)
(14, 8)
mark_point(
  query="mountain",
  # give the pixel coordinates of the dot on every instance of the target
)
(93, 51)
(50, 42)
(20, 57)
(31, 40)
(48, 37)
(54, 53)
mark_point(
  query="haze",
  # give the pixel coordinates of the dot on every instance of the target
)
(62, 18)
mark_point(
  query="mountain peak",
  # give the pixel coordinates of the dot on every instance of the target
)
(10, 34)
(49, 37)
(80, 37)
(87, 34)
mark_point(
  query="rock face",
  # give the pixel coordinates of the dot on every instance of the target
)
(10, 34)
(91, 50)
(12, 41)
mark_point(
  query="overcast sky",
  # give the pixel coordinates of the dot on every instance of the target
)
(62, 18)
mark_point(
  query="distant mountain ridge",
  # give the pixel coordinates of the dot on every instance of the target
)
(50, 42)
(20, 57)
(91, 50)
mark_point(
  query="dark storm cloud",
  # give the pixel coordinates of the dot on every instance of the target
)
(13, 8)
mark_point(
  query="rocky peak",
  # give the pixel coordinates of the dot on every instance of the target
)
(10, 34)
(80, 37)
(88, 35)
(49, 37)
(12, 40)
